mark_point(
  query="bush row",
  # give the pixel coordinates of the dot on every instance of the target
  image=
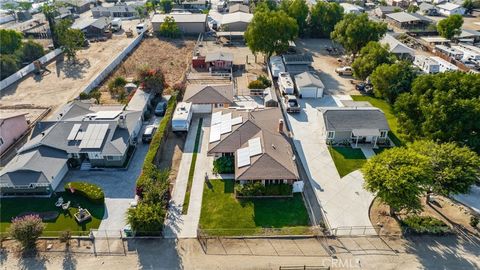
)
(224, 165)
(90, 191)
(258, 189)
(421, 224)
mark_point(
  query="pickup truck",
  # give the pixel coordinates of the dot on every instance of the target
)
(291, 104)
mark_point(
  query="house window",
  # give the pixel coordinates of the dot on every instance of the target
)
(383, 134)
(113, 157)
(331, 135)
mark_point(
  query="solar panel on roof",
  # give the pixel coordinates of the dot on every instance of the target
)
(236, 121)
(216, 118)
(73, 132)
(243, 157)
(94, 136)
(107, 114)
(215, 133)
(226, 126)
(255, 147)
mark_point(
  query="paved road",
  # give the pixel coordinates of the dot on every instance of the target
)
(178, 225)
(471, 199)
(344, 201)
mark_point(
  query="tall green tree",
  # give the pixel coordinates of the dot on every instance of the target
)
(354, 31)
(389, 81)
(31, 51)
(71, 40)
(468, 5)
(443, 107)
(8, 65)
(166, 5)
(455, 169)
(10, 41)
(297, 9)
(371, 56)
(50, 10)
(280, 28)
(398, 177)
(169, 28)
(323, 18)
(450, 26)
(265, 6)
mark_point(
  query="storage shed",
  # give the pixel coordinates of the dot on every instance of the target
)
(309, 85)
(187, 23)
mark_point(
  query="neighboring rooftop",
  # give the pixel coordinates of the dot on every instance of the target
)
(180, 18)
(448, 6)
(395, 46)
(219, 56)
(209, 94)
(238, 8)
(307, 79)
(347, 118)
(295, 59)
(404, 17)
(236, 17)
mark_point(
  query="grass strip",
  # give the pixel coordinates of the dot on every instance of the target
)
(191, 172)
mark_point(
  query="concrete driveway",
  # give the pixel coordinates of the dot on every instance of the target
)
(344, 201)
(118, 185)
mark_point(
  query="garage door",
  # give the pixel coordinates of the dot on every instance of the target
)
(309, 92)
(202, 108)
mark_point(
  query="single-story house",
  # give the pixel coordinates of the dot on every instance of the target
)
(93, 27)
(357, 125)
(206, 97)
(382, 11)
(350, 8)
(12, 127)
(188, 5)
(396, 47)
(309, 85)
(407, 20)
(119, 10)
(84, 135)
(259, 143)
(428, 9)
(78, 6)
(219, 60)
(238, 8)
(187, 23)
(236, 22)
(448, 9)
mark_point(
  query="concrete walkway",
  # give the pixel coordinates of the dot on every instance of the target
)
(178, 225)
(344, 201)
(367, 151)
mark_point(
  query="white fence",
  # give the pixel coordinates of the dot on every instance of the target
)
(27, 69)
(115, 62)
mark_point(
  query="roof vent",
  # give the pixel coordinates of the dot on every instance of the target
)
(273, 146)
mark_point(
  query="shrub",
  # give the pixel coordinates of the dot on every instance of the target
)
(8, 66)
(65, 237)
(116, 86)
(224, 165)
(152, 79)
(90, 191)
(258, 189)
(474, 221)
(84, 96)
(421, 224)
(264, 80)
(256, 85)
(146, 219)
(31, 51)
(26, 230)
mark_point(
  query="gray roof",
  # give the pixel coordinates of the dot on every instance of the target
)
(219, 56)
(387, 9)
(209, 94)
(347, 119)
(76, 3)
(424, 6)
(181, 18)
(38, 166)
(296, 59)
(403, 17)
(238, 8)
(236, 17)
(275, 161)
(100, 23)
(115, 8)
(306, 79)
(395, 46)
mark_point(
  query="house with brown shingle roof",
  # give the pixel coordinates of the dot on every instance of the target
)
(259, 143)
(205, 97)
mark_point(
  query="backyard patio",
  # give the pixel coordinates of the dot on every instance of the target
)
(55, 218)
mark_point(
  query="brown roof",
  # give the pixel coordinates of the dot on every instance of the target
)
(275, 161)
(208, 94)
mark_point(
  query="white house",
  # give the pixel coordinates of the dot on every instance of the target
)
(309, 85)
(350, 8)
(448, 9)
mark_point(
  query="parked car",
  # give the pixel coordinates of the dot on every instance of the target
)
(344, 71)
(291, 104)
(148, 134)
(364, 87)
(161, 108)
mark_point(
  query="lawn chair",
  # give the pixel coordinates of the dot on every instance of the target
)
(66, 205)
(59, 202)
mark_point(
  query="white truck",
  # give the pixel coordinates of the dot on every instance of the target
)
(116, 24)
(182, 116)
(141, 27)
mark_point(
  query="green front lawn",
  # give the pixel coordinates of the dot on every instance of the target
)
(391, 118)
(12, 207)
(223, 214)
(347, 159)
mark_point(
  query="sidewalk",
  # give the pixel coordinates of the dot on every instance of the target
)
(178, 225)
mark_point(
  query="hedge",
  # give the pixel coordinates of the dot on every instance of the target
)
(148, 164)
(90, 191)
(258, 189)
(422, 224)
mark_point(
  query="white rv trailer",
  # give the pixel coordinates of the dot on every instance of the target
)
(451, 52)
(182, 116)
(468, 53)
(285, 83)
(276, 65)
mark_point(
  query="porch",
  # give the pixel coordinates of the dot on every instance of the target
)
(369, 137)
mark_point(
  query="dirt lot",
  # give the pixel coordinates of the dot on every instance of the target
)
(326, 65)
(171, 154)
(452, 213)
(65, 81)
(173, 57)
